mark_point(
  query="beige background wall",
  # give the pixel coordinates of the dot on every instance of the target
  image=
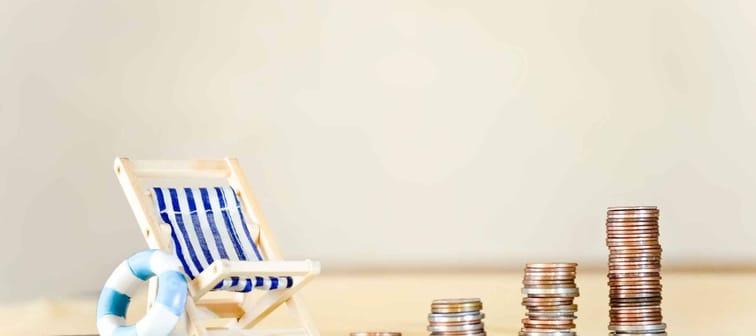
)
(389, 134)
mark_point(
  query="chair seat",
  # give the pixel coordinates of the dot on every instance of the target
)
(242, 284)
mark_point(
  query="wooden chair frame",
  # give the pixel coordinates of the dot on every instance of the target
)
(230, 310)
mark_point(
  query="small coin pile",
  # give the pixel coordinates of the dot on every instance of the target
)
(550, 291)
(457, 317)
(632, 235)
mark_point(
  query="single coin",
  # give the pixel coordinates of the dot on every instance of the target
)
(455, 317)
(641, 327)
(551, 265)
(633, 208)
(455, 301)
(548, 333)
(462, 327)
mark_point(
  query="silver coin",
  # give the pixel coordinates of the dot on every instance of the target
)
(466, 327)
(641, 327)
(456, 317)
(555, 291)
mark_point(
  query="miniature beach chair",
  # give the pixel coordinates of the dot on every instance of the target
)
(222, 240)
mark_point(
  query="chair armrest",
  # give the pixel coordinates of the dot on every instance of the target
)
(221, 269)
(273, 268)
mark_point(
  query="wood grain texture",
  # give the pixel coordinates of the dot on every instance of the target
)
(695, 303)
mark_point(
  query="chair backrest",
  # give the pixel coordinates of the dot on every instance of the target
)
(207, 224)
(130, 173)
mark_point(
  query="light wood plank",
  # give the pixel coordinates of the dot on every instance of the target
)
(181, 168)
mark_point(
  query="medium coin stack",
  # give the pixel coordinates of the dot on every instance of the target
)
(457, 317)
(632, 235)
(550, 290)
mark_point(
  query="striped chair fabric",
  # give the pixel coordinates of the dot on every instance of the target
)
(208, 224)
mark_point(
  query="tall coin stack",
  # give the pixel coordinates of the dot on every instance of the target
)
(458, 317)
(550, 290)
(632, 235)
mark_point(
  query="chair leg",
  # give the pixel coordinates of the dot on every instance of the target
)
(299, 312)
(194, 326)
(152, 288)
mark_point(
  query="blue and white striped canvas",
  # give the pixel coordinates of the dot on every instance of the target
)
(208, 224)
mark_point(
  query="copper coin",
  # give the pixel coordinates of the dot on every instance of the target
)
(549, 305)
(551, 323)
(632, 219)
(632, 222)
(618, 236)
(567, 275)
(551, 265)
(633, 208)
(567, 281)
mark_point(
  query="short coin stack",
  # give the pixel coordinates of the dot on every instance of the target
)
(634, 271)
(457, 317)
(550, 290)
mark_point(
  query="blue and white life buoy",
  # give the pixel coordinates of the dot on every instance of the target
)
(122, 284)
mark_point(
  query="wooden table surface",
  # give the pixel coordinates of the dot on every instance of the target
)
(695, 303)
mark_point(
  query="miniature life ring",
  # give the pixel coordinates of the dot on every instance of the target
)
(169, 303)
